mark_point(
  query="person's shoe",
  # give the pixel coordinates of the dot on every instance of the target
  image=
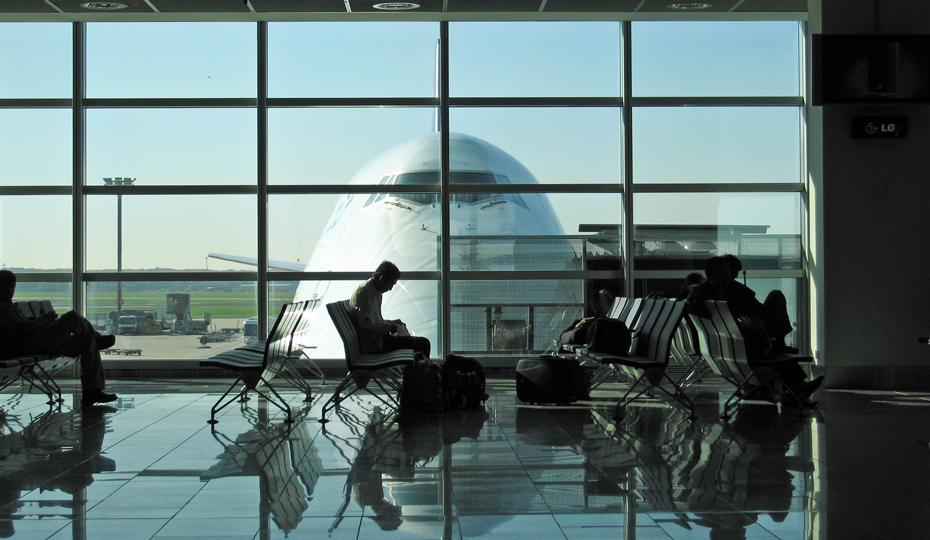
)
(809, 387)
(105, 341)
(92, 397)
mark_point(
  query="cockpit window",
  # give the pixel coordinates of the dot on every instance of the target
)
(457, 177)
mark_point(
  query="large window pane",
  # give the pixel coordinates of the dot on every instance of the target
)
(166, 232)
(718, 58)
(739, 145)
(35, 147)
(337, 59)
(171, 60)
(575, 145)
(330, 145)
(512, 317)
(681, 231)
(172, 146)
(36, 60)
(35, 232)
(534, 59)
(171, 319)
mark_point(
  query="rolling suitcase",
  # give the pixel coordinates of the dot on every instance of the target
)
(551, 379)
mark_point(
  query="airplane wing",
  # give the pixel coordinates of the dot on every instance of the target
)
(285, 266)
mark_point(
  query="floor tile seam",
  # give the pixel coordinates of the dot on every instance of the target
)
(526, 471)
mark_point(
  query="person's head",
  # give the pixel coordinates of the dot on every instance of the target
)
(718, 271)
(735, 265)
(385, 276)
(694, 278)
(7, 285)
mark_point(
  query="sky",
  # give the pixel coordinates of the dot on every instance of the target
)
(217, 146)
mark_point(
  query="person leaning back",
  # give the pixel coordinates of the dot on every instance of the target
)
(69, 335)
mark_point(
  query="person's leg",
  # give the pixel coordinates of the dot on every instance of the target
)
(83, 342)
(417, 343)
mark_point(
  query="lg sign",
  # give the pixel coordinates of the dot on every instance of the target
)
(879, 127)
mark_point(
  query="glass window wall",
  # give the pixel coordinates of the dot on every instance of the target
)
(346, 171)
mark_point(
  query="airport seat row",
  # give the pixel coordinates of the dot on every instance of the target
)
(35, 369)
(257, 364)
(724, 349)
(652, 331)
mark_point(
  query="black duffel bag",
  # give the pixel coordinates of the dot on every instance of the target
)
(609, 336)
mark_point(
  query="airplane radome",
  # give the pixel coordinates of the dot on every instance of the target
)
(365, 229)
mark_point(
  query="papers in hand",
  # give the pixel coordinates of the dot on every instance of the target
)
(402, 330)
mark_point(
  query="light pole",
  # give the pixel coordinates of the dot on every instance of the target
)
(125, 181)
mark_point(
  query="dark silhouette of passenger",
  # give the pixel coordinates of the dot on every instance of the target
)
(375, 333)
(692, 280)
(764, 325)
(69, 335)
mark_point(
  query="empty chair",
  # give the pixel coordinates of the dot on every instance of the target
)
(256, 369)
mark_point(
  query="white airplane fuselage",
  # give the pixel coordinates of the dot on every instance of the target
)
(405, 228)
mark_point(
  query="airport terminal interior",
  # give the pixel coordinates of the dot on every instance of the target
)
(177, 171)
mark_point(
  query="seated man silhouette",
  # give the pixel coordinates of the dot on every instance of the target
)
(69, 335)
(764, 325)
(375, 333)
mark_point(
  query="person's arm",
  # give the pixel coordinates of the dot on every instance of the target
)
(365, 309)
(13, 323)
(39, 322)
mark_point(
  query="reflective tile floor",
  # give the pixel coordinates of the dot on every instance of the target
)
(151, 467)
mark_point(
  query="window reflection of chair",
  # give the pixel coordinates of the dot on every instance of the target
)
(713, 475)
(385, 369)
(284, 459)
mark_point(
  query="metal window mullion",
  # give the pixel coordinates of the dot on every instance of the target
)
(628, 221)
(444, 196)
(78, 171)
(262, 198)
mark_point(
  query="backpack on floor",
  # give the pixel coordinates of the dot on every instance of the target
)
(463, 383)
(422, 386)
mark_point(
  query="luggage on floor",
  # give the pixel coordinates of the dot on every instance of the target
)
(463, 383)
(551, 379)
(422, 386)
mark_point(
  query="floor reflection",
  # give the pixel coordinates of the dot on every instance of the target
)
(509, 470)
(54, 452)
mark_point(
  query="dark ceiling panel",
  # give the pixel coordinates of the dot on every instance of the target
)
(661, 6)
(780, 6)
(590, 6)
(74, 6)
(488, 6)
(25, 6)
(200, 6)
(299, 6)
